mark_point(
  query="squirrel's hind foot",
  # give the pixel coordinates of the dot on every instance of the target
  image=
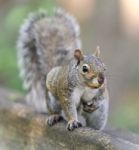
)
(53, 119)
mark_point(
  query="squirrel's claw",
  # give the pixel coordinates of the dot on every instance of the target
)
(54, 119)
(73, 124)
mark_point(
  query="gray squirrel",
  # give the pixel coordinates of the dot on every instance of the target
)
(59, 78)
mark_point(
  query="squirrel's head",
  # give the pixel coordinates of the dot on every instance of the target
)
(91, 68)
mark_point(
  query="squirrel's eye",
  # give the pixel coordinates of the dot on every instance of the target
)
(85, 68)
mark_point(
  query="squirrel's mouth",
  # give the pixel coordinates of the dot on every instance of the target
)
(94, 86)
(95, 83)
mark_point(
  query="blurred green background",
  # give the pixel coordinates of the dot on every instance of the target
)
(11, 19)
(112, 24)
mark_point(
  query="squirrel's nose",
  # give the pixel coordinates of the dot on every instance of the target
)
(101, 79)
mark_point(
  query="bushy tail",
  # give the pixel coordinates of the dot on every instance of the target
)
(44, 42)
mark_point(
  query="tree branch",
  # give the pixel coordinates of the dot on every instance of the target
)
(23, 128)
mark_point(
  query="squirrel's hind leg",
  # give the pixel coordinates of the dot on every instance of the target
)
(54, 118)
(54, 109)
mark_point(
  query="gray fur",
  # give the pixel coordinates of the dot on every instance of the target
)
(42, 40)
(79, 93)
(97, 119)
(46, 42)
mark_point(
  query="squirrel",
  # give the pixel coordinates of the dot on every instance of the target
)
(59, 78)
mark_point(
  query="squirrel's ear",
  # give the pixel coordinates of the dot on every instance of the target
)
(97, 52)
(78, 55)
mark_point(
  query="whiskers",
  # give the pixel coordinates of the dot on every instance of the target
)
(118, 76)
(119, 79)
(112, 76)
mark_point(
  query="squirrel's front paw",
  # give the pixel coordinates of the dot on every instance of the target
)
(72, 124)
(54, 119)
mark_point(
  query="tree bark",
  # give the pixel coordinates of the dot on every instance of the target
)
(23, 128)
